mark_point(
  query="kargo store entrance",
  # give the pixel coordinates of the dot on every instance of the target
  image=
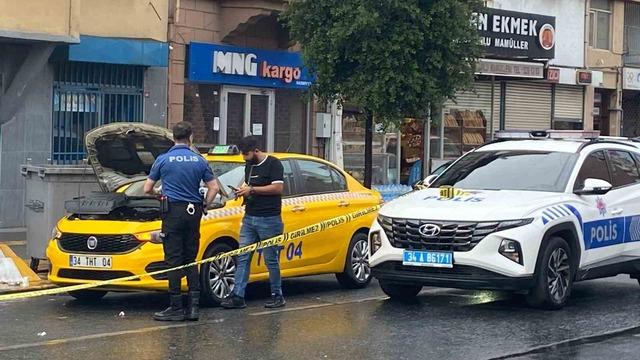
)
(245, 111)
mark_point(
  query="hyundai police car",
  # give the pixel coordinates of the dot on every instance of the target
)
(531, 212)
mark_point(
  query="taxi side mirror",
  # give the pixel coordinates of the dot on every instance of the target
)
(594, 187)
(217, 203)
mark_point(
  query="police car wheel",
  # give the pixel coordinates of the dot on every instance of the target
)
(88, 295)
(553, 277)
(357, 273)
(398, 291)
(217, 277)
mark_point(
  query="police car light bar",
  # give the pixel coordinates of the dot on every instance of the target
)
(224, 150)
(548, 134)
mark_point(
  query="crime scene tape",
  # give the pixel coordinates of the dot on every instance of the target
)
(277, 240)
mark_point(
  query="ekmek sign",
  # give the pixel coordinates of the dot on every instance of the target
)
(223, 64)
(515, 35)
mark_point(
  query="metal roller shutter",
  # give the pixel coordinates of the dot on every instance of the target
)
(568, 103)
(527, 106)
(479, 98)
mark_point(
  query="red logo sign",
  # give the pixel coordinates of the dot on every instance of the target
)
(553, 75)
(584, 77)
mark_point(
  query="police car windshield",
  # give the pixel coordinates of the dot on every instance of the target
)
(229, 173)
(510, 170)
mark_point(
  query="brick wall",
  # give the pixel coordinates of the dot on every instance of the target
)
(193, 20)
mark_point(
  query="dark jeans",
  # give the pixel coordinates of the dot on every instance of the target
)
(181, 240)
(256, 229)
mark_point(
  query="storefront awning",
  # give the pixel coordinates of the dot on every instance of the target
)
(118, 51)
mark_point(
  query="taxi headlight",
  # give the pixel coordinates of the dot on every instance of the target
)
(153, 236)
(55, 233)
(375, 242)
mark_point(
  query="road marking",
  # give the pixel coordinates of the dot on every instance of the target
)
(102, 335)
(589, 339)
(316, 306)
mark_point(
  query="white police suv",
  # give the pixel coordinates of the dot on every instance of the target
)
(530, 212)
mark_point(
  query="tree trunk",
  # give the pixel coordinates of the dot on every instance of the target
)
(368, 149)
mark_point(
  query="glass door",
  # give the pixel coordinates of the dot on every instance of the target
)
(247, 111)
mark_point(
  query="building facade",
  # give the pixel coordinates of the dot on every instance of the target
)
(234, 71)
(68, 66)
(529, 77)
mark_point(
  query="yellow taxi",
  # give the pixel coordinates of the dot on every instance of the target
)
(115, 233)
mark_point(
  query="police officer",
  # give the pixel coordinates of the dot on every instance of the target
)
(264, 184)
(181, 169)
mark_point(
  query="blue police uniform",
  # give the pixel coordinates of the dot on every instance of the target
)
(181, 171)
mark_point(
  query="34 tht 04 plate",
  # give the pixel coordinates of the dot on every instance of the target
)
(89, 261)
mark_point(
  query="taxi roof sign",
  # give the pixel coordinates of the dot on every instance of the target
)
(224, 150)
(548, 134)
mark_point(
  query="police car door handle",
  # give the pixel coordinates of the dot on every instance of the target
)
(616, 211)
(343, 203)
(299, 208)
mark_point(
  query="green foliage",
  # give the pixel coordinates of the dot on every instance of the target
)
(393, 57)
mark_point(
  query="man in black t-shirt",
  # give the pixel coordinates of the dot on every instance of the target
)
(262, 193)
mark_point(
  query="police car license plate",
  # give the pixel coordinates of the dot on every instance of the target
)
(428, 258)
(87, 261)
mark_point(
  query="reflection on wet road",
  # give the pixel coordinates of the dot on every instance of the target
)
(322, 321)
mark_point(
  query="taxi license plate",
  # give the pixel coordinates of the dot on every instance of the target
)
(428, 258)
(88, 261)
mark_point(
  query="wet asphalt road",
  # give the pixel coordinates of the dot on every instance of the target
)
(322, 321)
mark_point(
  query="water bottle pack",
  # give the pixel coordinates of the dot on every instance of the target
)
(392, 191)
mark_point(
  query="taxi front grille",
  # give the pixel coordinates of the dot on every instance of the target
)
(99, 275)
(453, 236)
(103, 244)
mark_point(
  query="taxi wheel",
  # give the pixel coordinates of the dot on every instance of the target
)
(357, 273)
(217, 277)
(553, 276)
(88, 295)
(398, 291)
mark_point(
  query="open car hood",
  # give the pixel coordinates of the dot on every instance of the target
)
(121, 153)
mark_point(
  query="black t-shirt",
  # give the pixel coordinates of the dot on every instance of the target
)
(269, 171)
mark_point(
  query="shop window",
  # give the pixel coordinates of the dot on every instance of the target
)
(88, 95)
(464, 130)
(386, 149)
(625, 171)
(600, 24)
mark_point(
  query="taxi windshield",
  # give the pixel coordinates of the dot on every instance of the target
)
(229, 174)
(547, 171)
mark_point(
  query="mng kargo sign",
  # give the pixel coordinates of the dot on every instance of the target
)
(516, 35)
(223, 64)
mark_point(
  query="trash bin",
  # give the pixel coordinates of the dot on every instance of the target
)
(47, 188)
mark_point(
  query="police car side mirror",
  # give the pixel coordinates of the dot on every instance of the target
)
(594, 187)
(429, 179)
